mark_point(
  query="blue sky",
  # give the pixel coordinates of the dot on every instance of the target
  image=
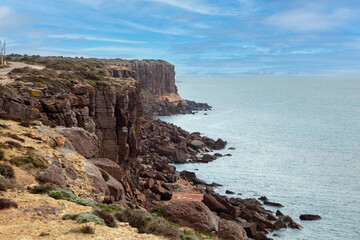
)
(200, 37)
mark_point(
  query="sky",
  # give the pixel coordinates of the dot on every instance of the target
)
(200, 37)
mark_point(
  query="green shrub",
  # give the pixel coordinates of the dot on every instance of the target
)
(62, 194)
(187, 235)
(2, 154)
(158, 211)
(112, 208)
(6, 116)
(43, 188)
(159, 226)
(108, 218)
(89, 217)
(66, 195)
(4, 126)
(7, 171)
(137, 218)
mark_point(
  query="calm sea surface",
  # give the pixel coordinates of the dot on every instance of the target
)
(297, 142)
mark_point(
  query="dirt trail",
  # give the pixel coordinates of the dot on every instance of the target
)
(4, 79)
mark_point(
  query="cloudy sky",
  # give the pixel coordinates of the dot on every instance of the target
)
(201, 37)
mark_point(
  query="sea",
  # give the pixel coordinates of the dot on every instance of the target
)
(296, 140)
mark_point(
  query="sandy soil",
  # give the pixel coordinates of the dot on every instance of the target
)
(40, 214)
(4, 79)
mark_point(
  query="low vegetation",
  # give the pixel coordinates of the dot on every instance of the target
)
(66, 195)
(7, 171)
(90, 217)
(7, 203)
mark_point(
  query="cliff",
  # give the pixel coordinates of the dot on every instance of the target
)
(156, 76)
(111, 108)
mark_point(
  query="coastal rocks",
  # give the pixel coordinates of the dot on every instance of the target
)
(192, 214)
(309, 217)
(231, 230)
(84, 142)
(273, 204)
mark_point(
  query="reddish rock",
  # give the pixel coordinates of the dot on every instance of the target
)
(250, 229)
(116, 189)
(192, 214)
(110, 167)
(84, 142)
(213, 204)
(231, 230)
(53, 174)
(95, 178)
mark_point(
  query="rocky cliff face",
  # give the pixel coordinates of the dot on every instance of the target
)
(111, 109)
(158, 77)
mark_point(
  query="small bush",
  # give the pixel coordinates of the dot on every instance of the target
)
(112, 208)
(7, 203)
(69, 216)
(2, 155)
(16, 137)
(13, 144)
(6, 116)
(6, 184)
(42, 189)
(4, 126)
(105, 175)
(25, 124)
(28, 160)
(66, 195)
(7, 171)
(87, 229)
(137, 218)
(159, 226)
(62, 194)
(158, 211)
(89, 217)
(109, 219)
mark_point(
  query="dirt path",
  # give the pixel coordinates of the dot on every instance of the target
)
(4, 79)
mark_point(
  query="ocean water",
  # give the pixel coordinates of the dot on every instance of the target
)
(297, 142)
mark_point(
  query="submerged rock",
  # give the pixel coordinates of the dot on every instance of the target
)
(309, 217)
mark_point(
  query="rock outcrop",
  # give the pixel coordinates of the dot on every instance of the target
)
(156, 76)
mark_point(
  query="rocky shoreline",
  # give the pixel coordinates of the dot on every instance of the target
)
(103, 113)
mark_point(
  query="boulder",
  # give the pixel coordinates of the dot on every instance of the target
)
(273, 204)
(95, 178)
(231, 230)
(192, 214)
(309, 217)
(109, 166)
(250, 229)
(290, 223)
(116, 189)
(84, 142)
(196, 144)
(213, 204)
(53, 174)
(164, 194)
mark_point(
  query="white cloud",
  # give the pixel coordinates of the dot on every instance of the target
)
(92, 38)
(191, 6)
(5, 12)
(171, 31)
(308, 19)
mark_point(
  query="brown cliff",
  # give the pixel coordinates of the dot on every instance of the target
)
(112, 109)
(156, 76)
